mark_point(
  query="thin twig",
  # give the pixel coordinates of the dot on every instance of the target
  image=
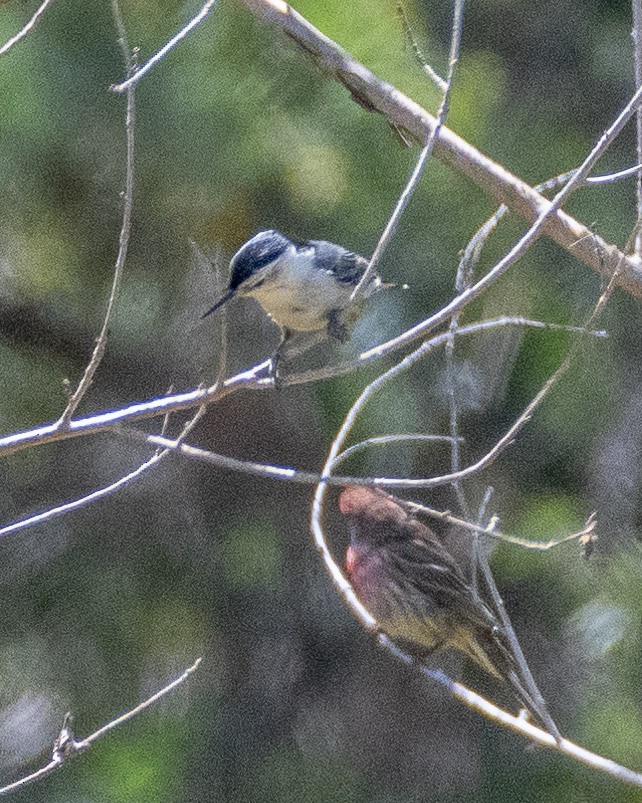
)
(123, 240)
(132, 80)
(477, 542)
(386, 440)
(479, 557)
(413, 181)
(611, 178)
(66, 745)
(116, 723)
(586, 532)
(463, 281)
(28, 27)
(83, 501)
(160, 454)
(471, 253)
(414, 46)
(541, 709)
(107, 490)
(341, 369)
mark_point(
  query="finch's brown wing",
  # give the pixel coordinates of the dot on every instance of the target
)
(428, 575)
(430, 587)
(433, 593)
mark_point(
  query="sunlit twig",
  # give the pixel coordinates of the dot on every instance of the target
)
(130, 82)
(28, 27)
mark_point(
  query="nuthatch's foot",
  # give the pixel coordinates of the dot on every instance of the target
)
(336, 327)
(276, 372)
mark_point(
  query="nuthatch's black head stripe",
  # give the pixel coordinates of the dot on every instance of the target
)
(259, 251)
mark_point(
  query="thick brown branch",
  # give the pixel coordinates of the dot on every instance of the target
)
(376, 95)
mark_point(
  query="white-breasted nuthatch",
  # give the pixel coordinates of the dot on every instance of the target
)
(303, 287)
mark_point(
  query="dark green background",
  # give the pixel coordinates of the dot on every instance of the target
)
(236, 131)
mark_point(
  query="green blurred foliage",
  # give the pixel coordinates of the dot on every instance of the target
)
(251, 558)
(236, 131)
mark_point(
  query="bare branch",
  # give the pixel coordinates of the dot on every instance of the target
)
(196, 20)
(128, 204)
(299, 476)
(258, 377)
(611, 178)
(116, 723)
(83, 501)
(66, 745)
(377, 95)
(587, 531)
(584, 536)
(27, 28)
(518, 724)
(101, 493)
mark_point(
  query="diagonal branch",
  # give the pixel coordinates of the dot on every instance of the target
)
(374, 94)
(27, 28)
(66, 745)
(254, 378)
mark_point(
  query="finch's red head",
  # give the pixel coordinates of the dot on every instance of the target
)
(373, 512)
(355, 500)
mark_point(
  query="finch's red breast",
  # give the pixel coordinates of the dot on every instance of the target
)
(351, 560)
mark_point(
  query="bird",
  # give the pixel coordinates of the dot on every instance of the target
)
(414, 588)
(302, 287)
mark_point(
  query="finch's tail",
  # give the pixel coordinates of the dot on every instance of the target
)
(493, 653)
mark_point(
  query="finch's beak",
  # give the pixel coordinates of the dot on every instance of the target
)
(228, 295)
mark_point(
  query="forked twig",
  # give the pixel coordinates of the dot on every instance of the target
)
(66, 745)
(196, 20)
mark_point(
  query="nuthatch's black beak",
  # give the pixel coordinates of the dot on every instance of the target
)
(228, 295)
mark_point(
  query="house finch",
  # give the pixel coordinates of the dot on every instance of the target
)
(414, 588)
